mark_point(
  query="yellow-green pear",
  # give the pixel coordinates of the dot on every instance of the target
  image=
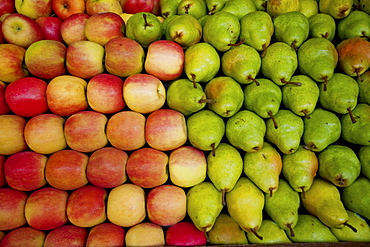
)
(339, 9)
(346, 234)
(278, 7)
(271, 232)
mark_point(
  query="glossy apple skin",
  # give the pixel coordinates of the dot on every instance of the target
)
(65, 8)
(12, 208)
(45, 59)
(66, 235)
(12, 134)
(185, 233)
(106, 234)
(11, 62)
(66, 169)
(21, 30)
(106, 167)
(145, 234)
(24, 236)
(34, 8)
(86, 206)
(99, 6)
(50, 26)
(146, 167)
(4, 108)
(25, 170)
(104, 93)
(73, 28)
(26, 97)
(136, 6)
(126, 130)
(46, 208)
(7, 6)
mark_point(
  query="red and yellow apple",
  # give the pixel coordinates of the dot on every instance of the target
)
(66, 235)
(12, 134)
(4, 108)
(50, 26)
(73, 28)
(126, 130)
(106, 234)
(65, 8)
(99, 6)
(136, 6)
(66, 169)
(145, 234)
(12, 204)
(24, 236)
(34, 8)
(11, 62)
(7, 7)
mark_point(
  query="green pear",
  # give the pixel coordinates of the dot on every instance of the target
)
(224, 168)
(322, 26)
(246, 131)
(183, 97)
(184, 30)
(271, 232)
(202, 62)
(302, 99)
(310, 229)
(227, 94)
(214, 6)
(144, 27)
(226, 231)
(364, 157)
(291, 28)
(242, 63)
(338, 9)
(195, 8)
(356, 24)
(347, 235)
(364, 88)
(260, 5)
(356, 197)
(364, 6)
(321, 129)
(339, 164)
(245, 205)
(317, 58)
(283, 206)
(341, 94)
(265, 99)
(308, 7)
(256, 29)
(323, 200)
(203, 205)
(287, 135)
(202, 20)
(357, 132)
(169, 8)
(239, 7)
(205, 130)
(300, 169)
(221, 30)
(279, 63)
(278, 7)
(263, 168)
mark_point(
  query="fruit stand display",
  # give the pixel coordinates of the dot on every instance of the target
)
(184, 122)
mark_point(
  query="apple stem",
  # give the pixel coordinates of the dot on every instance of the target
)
(351, 115)
(290, 229)
(273, 119)
(289, 82)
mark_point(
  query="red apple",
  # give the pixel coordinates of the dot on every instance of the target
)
(145, 234)
(50, 26)
(25, 170)
(185, 233)
(46, 59)
(2, 39)
(26, 97)
(67, 235)
(187, 166)
(144, 93)
(2, 175)
(24, 236)
(165, 129)
(86, 206)
(85, 131)
(21, 30)
(4, 108)
(104, 26)
(7, 6)
(105, 93)
(45, 208)
(12, 204)
(66, 95)
(11, 134)
(166, 205)
(106, 167)
(73, 28)
(99, 6)
(44, 133)
(34, 8)
(157, 8)
(165, 60)
(124, 57)
(136, 6)
(85, 59)
(66, 169)
(147, 167)
(126, 130)
(65, 8)
(106, 234)
(11, 62)
(126, 205)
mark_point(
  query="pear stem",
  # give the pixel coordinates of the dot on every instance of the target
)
(237, 44)
(303, 192)
(289, 82)
(294, 45)
(256, 234)
(273, 119)
(213, 10)
(253, 79)
(311, 147)
(213, 149)
(146, 24)
(358, 74)
(223, 191)
(289, 225)
(351, 115)
(350, 226)
(209, 101)
(325, 35)
(193, 80)
(325, 83)
(271, 191)
(305, 112)
(264, 51)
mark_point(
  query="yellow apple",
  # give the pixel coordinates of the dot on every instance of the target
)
(34, 8)
(145, 234)
(11, 134)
